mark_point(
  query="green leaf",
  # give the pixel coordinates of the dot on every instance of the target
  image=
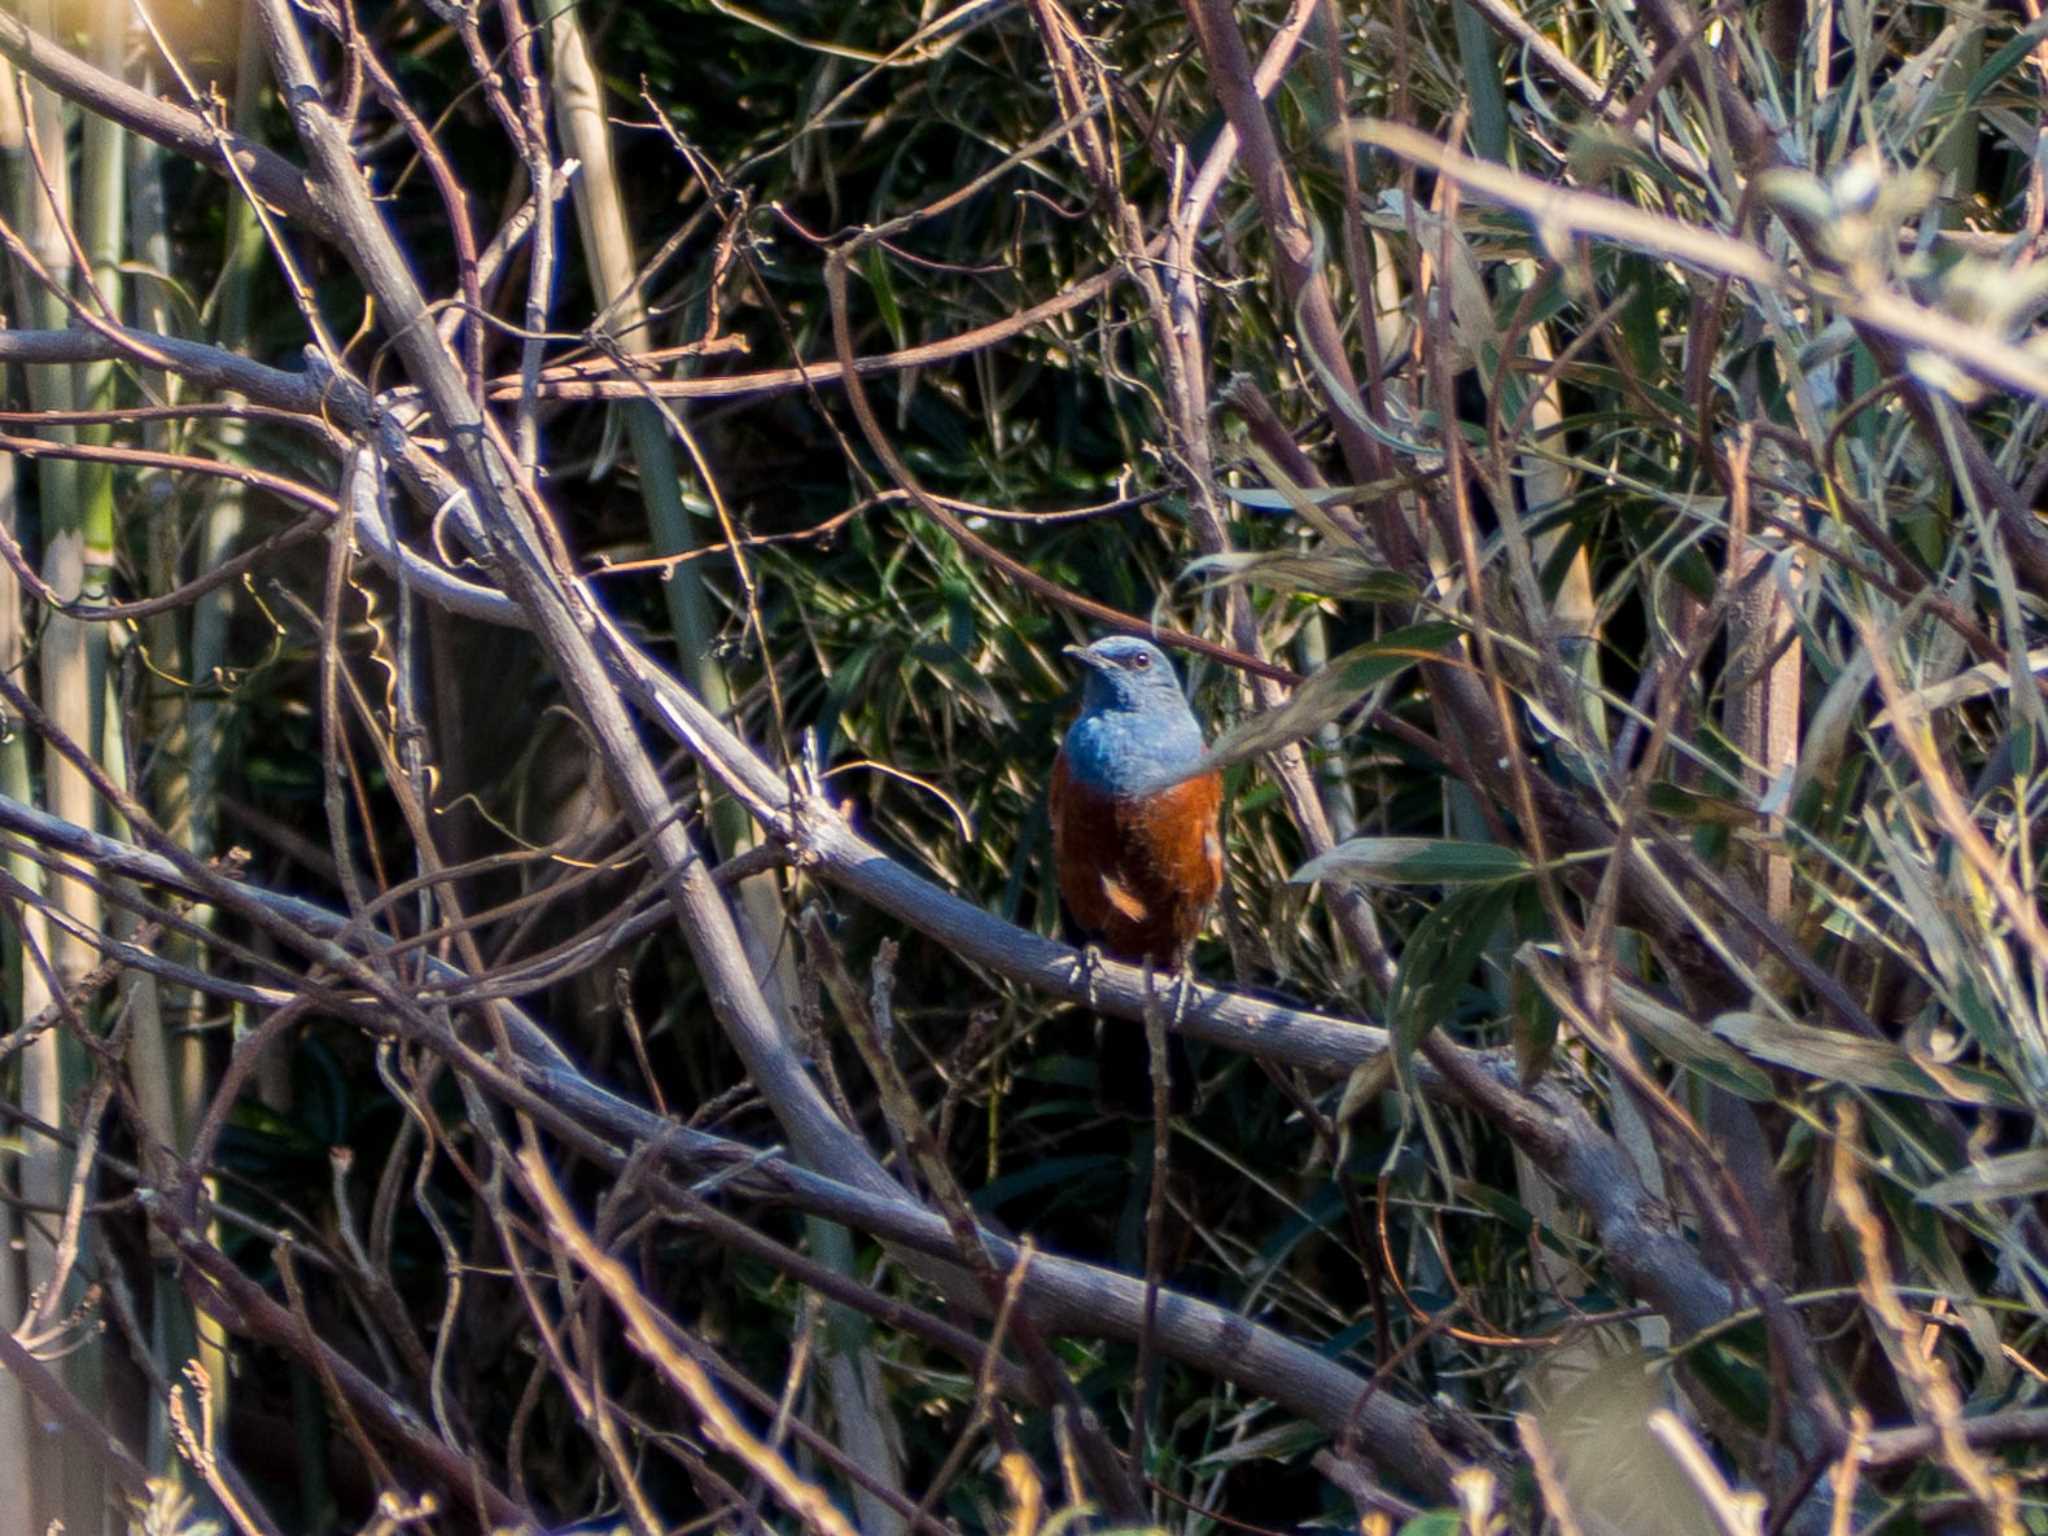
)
(1437, 963)
(2012, 1177)
(1311, 504)
(1842, 1058)
(1828, 737)
(1667, 799)
(1333, 689)
(884, 287)
(1726, 1367)
(1415, 861)
(1535, 1023)
(1265, 499)
(1283, 1442)
(1322, 572)
(2002, 63)
(1678, 1038)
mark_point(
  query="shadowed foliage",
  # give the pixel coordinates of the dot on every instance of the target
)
(540, 548)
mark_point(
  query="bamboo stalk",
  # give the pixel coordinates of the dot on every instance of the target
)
(222, 518)
(167, 1054)
(865, 1427)
(62, 652)
(40, 200)
(607, 243)
(26, 995)
(225, 509)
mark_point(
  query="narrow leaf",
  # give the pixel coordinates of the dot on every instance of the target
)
(1415, 861)
(1320, 573)
(1437, 964)
(1334, 689)
(1683, 1040)
(2012, 1177)
(1843, 1058)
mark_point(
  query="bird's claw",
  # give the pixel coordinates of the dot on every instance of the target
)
(1087, 967)
(1183, 990)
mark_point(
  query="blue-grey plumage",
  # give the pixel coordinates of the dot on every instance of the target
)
(1135, 731)
(1135, 832)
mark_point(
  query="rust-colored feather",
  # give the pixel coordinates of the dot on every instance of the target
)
(1138, 872)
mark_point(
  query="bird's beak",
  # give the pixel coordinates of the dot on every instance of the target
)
(1084, 656)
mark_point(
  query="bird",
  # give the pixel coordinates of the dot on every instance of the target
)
(1136, 833)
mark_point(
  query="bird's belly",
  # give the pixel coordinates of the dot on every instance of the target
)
(1139, 872)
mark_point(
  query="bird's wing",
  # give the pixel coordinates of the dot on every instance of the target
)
(1123, 898)
(1212, 830)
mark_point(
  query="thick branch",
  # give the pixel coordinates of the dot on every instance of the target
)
(1063, 1294)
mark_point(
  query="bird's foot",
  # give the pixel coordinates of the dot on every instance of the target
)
(1183, 987)
(1087, 968)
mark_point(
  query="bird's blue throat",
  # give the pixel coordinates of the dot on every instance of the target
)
(1130, 751)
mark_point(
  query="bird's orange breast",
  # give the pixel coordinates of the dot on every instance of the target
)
(1138, 872)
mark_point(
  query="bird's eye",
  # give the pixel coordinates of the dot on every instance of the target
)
(1141, 661)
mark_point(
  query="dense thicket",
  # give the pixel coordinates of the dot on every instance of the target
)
(541, 545)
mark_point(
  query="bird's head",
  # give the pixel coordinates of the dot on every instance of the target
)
(1135, 732)
(1125, 673)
